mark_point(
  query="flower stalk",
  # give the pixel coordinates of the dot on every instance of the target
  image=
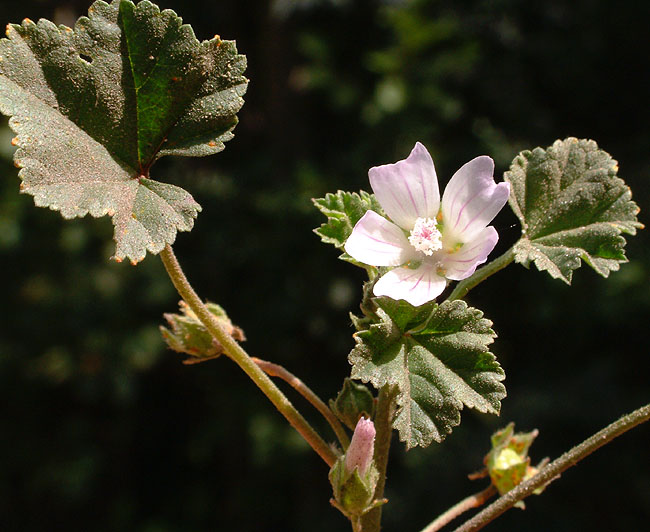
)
(480, 275)
(235, 352)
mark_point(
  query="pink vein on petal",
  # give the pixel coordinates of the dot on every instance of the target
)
(383, 241)
(397, 200)
(463, 208)
(408, 188)
(475, 217)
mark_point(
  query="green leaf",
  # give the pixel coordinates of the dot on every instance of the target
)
(439, 364)
(572, 207)
(343, 211)
(94, 107)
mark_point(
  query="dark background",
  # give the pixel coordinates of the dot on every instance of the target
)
(103, 429)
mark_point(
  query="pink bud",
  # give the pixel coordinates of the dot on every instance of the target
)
(362, 447)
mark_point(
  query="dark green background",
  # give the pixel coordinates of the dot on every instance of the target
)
(103, 429)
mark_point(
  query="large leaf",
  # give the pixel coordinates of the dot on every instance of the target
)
(94, 107)
(572, 207)
(439, 365)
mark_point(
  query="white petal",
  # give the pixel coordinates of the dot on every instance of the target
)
(408, 189)
(463, 263)
(471, 200)
(378, 242)
(415, 286)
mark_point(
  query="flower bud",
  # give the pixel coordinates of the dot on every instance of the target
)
(508, 463)
(362, 447)
(354, 476)
(186, 333)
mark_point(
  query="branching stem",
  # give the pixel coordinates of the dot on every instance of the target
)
(235, 352)
(473, 501)
(550, 472)
(275, 370)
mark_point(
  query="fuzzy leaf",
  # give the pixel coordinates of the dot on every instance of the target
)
(343, 211)
(439, 365)
(572, 207)
(94, 107)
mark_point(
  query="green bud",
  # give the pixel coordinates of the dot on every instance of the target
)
(508, 463)
(352, 402)
(353, 493)
(186, 334)
(354, 476)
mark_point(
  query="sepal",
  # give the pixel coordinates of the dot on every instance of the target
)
(508, 463)
(186, 334)
(353, 493)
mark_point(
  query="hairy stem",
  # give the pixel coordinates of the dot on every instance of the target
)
(482, 274)
(371, 522)
(235, 352)
(275, 370)
(473, 501)
(550, 472)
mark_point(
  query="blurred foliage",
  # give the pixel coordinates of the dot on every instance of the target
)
(103, 429)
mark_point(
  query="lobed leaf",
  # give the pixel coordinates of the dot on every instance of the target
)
(572, 208)
(343, 211)
(440, 364)
(95, 107)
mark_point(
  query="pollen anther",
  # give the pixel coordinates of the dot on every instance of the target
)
(425, 236)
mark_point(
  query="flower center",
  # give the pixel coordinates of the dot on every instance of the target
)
(425, 236)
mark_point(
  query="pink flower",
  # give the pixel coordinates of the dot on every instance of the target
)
(362, 447)
(427, 240)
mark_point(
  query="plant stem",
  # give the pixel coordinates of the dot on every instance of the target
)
(481, 274)
(473, 501)
(275, 370)
(550, 472)
(234, 351)
(371, 522)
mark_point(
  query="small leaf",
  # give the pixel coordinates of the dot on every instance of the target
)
(572, 207)
(343, 211)
(440, 363)
(94, 107)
